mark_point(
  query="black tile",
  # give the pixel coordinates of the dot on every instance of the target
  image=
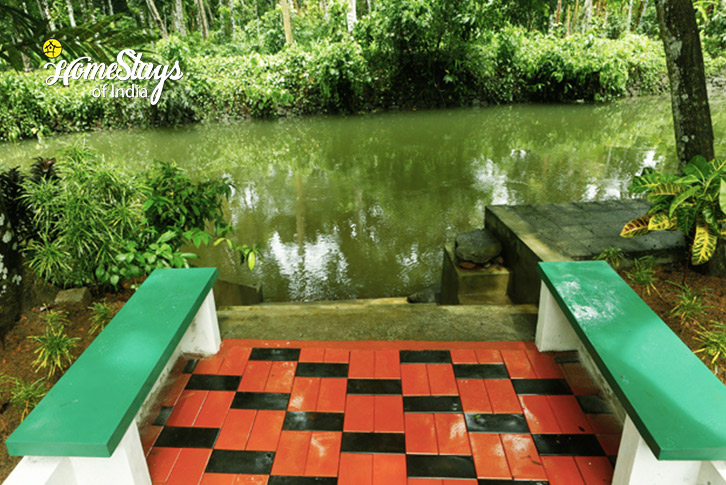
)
(425, 357)
(488, 481)
(179, 437)
(431, 404)
(260, 400)
(541, 386)
(190, 366)
(204, 382)
(282, 480)
(480, 371)
(496, 423)
(374, 386)
(240, 462)
(301, 421)
(440, 466)
(567, 445)
(373, 443)
(275, 354)
(594, 405)
(163, 416)
(321, 369)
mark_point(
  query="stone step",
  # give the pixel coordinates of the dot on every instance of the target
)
(378, 319)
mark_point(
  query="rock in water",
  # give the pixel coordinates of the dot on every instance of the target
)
(432, 294)
(477, 246)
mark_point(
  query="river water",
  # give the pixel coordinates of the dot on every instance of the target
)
(360, 206)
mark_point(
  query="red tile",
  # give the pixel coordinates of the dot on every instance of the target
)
(473, 394)
(415, 380)
(489, 458)
(304, 395)
(251, 479)
(190, 466)
(265, 431)
(522, 457)
(323, 454)
(214, 409)
(451, 434)
(187, 408)
(236, 429)
(235, 361)
(359, 413)
(610, 443)
(421, 434)
(441, 380)
(595, 470)
(459, 482)
(355, 469)
(489, 357)
(209, 365)
(544, 365)
(426, 481)
(502, 396)
(569, 415)
(255, 377)
(539, 415)
(562, 470)
(281, 377)
(518, 365)
(387, 364)
(388, 414)
(339, 356)
(580, 381)
(389, 469)
(605, 423)
(217, 479)
(331, 398)
(463, 356)
(291, 453)
(312, 355)
(173, 395)
(362, 364)
(149, 437)
(161, 461)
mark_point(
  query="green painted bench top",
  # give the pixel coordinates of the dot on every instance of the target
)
(677, 404)
(90, 408)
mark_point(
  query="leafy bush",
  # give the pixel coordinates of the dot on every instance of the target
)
(689, 304)
(101, 314)
(54, 349)
(643, 273)
(23, 394)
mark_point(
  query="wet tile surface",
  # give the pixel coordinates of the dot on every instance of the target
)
(408, 413)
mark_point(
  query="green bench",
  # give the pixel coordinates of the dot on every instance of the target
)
(675, 430)
(85, 429)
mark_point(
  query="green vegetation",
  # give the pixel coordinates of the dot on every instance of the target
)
(613, 256)
(714, 342)
(54, 349)
(643, 273)
(693, 202)
(101, 314)
(689, 306)
(23, 394)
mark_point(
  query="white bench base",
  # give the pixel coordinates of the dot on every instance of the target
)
(636, 464)
(127, 465)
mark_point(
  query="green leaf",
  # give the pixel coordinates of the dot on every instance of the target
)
(699, 167)
(636, 227)
(682, 197)
(722, 196)
(166, 237)
(660, 222)
(704, 243)
(114, 279)
(251, 261)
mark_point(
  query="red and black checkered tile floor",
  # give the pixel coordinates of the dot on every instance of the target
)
(389, 413)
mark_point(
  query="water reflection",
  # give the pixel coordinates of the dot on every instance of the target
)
(355, 207)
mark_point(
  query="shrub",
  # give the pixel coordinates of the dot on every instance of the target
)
(23, 394)
(643, 273)
(53, 350)
(714, 342)
(101, 314)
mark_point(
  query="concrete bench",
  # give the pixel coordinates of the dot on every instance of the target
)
(675, 429)
(85, 430)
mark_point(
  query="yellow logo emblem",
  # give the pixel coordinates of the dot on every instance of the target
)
(52, 48)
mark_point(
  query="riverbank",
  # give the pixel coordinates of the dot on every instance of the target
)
(347, 76)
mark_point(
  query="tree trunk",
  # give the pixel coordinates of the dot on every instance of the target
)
(45, 13)
(178, 17)
(156, 17)
(9, 275)
(91, 10)
(110, 7)
(324, 3)
(643, 8)
(202, 17)
(587, 17)
(559, 12)
(630, 14)
(71, 15)
(351, 16)
(689, 98)
(231, 13)
(286, 21)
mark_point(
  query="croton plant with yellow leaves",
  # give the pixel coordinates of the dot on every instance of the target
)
(693, 202)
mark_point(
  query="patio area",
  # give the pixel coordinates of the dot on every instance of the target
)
(374, 412)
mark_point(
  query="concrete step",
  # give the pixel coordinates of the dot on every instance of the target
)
(378, 319)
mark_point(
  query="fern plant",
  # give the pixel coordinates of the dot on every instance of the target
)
(693, 202)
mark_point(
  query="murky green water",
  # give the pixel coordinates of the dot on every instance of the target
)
(359, 207)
